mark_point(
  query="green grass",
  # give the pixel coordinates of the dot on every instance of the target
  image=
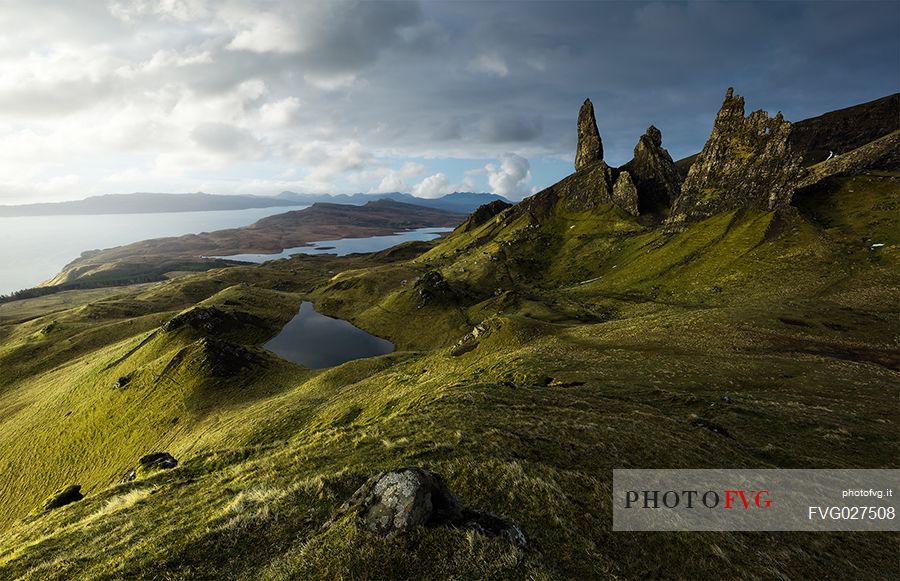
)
(603, 342)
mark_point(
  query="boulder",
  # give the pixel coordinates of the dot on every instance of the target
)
(747, 162)
(398, 501)
(64, 496)
(590, 146)
(151, 463)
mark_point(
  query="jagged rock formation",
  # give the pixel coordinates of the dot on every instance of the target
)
(625, 194)
(655, 175)
(396, 501)
(590, 147)
(747, 162)
(483, 214)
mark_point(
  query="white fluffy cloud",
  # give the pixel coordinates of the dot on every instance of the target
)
(434, 186)
(512, 179)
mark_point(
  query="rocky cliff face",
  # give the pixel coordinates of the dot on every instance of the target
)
(582, 190)
(590, 147)
(483, 214)
(654, 173)
(747, 162)
(625, 194)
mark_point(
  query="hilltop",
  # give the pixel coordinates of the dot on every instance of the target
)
(742, 313)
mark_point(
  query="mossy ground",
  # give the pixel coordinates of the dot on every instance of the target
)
(603, 342)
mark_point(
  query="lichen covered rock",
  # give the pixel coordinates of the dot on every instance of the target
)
(590, 146)
(654, 173)
(625, 194)
(747, 162)
(483, 214)
(398, 501)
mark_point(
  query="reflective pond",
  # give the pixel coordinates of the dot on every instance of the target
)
(317, 341)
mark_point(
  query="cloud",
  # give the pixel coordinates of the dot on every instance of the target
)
(281, 113)
(491, 63)
(434, 186)
(512, 178)
(337, 95)
(226, 139)
(395, 180)
(505, 129)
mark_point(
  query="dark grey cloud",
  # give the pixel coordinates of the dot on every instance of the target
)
(505, 129)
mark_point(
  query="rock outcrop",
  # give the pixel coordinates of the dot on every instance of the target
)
(432, 287)
(653, 172)
(747, 162)
(625, 194)
(64, 496)
(151, 463)
(590, 146)
(397, 501)
(482, 214)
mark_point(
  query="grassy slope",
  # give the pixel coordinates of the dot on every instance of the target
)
(597, 354)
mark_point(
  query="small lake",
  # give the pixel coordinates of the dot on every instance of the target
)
(316, 341)
(344, 246)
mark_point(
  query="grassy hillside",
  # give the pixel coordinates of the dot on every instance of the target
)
(603, 344)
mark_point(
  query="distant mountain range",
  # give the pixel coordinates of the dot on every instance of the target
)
(150, 203)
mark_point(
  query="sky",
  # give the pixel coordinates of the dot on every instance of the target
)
(341, 96)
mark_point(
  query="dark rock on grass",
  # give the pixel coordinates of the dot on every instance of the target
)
(151, 463)
(210, 320)
(122, 381)
(158, 460)
(712, 427)
(432, 286)
(225, 359)
(64, 496)
(400, 500)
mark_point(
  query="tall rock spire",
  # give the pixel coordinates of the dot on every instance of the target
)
(590, 147)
